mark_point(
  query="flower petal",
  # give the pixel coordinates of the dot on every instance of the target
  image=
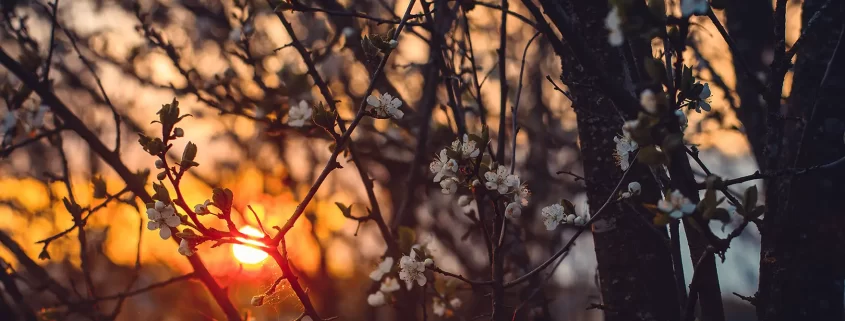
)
(373, 101)
(164, 233)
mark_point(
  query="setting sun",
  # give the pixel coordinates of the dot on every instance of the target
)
(246, 254)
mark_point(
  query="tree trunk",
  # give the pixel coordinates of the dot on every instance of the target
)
(635, 265)
(750, 24)
(801, 264)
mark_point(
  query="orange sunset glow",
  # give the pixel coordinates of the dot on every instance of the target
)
(246, 254)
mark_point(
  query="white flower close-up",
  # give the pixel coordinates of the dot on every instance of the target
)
(467, 148)
(552, 216)
(449, 186)
(513, 210)
(613, 24)
(694, 7)
(386, 106)
(411, 270)
(521, 195)
(443, 166)
(649, 101)
(298, 115)
(185, 248)
(676, 205)
(382, 269)
(376, 299)
(438, 307)
(499, 180)
(162, 217)
(624, 145)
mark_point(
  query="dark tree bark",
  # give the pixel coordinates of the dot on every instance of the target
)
(750, 24)
(801, 264)
(635, 265)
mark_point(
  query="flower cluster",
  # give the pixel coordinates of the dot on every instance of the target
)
(385, 106)
(411, 270)
(556, 214)
(162, 217)
(676, 205)
(388, 285)
(702, 101)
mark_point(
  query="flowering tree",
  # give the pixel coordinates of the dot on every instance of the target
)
(632, 72)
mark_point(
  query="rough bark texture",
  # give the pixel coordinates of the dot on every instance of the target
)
(801, 262)
(634, 263)
(750, 24)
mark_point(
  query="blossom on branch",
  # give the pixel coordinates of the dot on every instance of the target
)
(443, 166)
(386, 106)
(552, 216)
(411, 270)
(624, 145)
(376, 299)
(613, 24)
(298, 115)
(676, 205)
(162, 217)
(201, 209)
(382, 269)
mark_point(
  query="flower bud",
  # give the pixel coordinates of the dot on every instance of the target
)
(159, 164)
(428, 262)
(257, 300)
(464, 200)
(178, 132)
(393, 44)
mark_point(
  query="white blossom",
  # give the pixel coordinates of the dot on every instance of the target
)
(570, 219)
(185, 248)
(694, 7)
(455, 303)
(390, 284)
(201, 209)
(624, 145)
(449, 186)
(467, 148)
(649, 101)
(382, 269)
(702, 99)
(438, 307)
(682, 119)
(386, 106)
(162, 217)
(464, 200)
(428, 262)
(613, 24)
(411, 270)
(513, 210)
(552, 216)
(634, 188)
(348, 32)
(500, 180)
(443, 166)
(298, 115)
(676, 205)
(579, 221)
(376, 299)
(393, 44)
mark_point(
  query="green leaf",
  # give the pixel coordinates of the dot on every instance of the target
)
(651, 156)
(189, 153)
(750, 198)
(346, 211)
(407, 237)
(568, 207)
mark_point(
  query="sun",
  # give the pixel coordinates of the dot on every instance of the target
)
(246, 254)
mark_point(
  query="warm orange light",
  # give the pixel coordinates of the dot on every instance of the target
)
(246, 254)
